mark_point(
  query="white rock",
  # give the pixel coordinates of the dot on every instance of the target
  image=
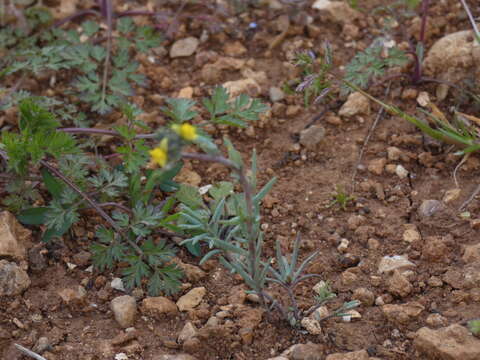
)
(423, 99)
(411, 233)
(184, 47)
(401, 172)
(117, 284)
(356, 104)
(243, 86)
(124, 309)
(276, 94)
(388, 264)
(191, 299)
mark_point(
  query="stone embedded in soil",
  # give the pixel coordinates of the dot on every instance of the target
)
(411, 233)
(124, 309)
(234, 48)
(186, 92)
(237, 295)
(436, 320)
(192, 273)
(13, 279)
(337, 11)
(388, 264)
(365, 296)
(376, 166)
(189, 177)
(14, 238)
(435, 249)
(454, 342)
(401, 172)
(213, 73)
(402, 313)
(248, 86)
(399, 285)
(348, 278)
(454, 57)
(393, 153)
(189, 331)
(312, 136)
(42, 344)
(184, 47)
(308, 351)
(157, 306)
(451, 195)
(356, 104)
(311, 325)
(471, 276)
(276, 94)
(354, 221)
(471, 253)
(354, 355)
(117, 284)
(73, 296)
(430, 207)
(191, 299)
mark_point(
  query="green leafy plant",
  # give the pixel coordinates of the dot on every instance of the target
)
(80, 51)
(77, 181)
(370, 64)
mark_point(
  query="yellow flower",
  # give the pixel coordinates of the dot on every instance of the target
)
(160, 153)
(186, 131)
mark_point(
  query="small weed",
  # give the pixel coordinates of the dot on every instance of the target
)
(341, 198)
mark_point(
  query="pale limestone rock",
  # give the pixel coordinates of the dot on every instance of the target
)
(454, 342)
(191, 299)
(124, 309)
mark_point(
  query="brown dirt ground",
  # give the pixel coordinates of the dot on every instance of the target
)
(303, 190)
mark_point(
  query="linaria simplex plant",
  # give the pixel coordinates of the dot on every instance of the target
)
(230, 226)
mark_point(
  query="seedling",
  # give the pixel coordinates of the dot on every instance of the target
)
(341, 198)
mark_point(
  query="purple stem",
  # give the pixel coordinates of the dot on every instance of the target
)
(74, 16)
(76, 130)
(417, 74)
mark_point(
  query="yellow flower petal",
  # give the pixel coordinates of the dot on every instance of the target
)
(186, 131)
(159, 155)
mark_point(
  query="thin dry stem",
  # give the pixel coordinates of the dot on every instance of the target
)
(367, 139)
(29, 352)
